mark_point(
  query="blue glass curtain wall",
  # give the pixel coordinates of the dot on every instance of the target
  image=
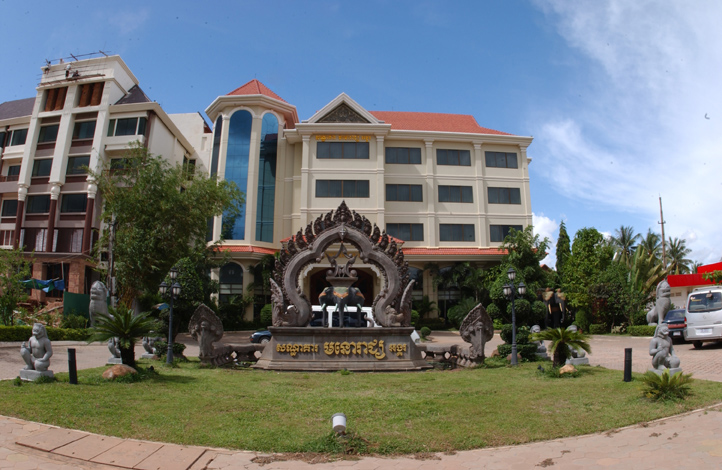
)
(267, 179)
(239, 146)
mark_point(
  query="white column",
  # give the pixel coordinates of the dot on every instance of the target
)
(524, 169)
(431, 223)
(306, 190)
(62, 147)
(31, 141)
(380, 183)
(222, 151)
(481, 195)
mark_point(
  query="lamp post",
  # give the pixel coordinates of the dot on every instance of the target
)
(510, 292)
(175, 289)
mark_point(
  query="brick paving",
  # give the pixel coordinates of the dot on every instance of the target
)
(690, 441)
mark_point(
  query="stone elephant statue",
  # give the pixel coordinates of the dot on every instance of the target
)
(340, 297)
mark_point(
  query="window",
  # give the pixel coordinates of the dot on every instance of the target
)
(342, 150)
(230, 282)
(406, 232)
(342, 188)
(48, 134)
(13, 173)
(42, 167)
(127, 126)
(84, 130)
(38, 204)
(403, 192)
(501, 160)
(453, 157)
(119, 163)
(500, 232)
(403, 155)
(73, 203)
(17, 137)
(90, 94)
(55, 99)
(78, 165)
(10, 208)
(2, 139)
(6, 237)
(504, 196)
(455, 194)
(456, 232)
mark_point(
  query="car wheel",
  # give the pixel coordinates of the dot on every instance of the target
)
(265, 340)
(697, 344)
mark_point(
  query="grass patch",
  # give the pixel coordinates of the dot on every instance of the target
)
(387, 413)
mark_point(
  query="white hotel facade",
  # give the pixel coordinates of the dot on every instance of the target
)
(447, 187)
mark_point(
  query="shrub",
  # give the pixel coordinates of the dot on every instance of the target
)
(498, 323)
(414, 318)
(162, 347)
(641, 330)
(597, 329)
(24, 332)
(527, 351)
(267, 315)
(582, 320)
(493, 311)
(425, 332)
(522, 334)
(664, 387)
(74, 321)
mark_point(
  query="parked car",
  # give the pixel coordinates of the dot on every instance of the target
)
(676, 321)
(261, 337)
(704, 315)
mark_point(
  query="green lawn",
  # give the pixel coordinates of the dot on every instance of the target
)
(394, 412)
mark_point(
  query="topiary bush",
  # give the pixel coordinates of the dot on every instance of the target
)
(598, 329)
(527, 351)
(414, 318)
(641, 330)
(425, 332)
(522, 334)
(267, 315)
(581, 320)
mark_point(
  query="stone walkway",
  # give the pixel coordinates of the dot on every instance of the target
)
(690, 441)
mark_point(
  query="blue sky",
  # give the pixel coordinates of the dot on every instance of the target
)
(622, 97)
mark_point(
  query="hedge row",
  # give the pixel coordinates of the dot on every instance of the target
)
(24, 332)
(641, 330)
(598, 329)
(527, 351)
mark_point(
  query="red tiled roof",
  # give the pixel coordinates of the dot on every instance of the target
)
(254, 87)
(454, 251)
(410, 121)
(249, 249)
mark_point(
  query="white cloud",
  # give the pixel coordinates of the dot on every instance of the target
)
(641, 131)
(547, 228)
(128, 21)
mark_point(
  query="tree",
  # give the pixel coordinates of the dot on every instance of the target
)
(14, 268)
(561, 340)
(676, 254)
(424, 306)
(714, 277)
(615, 300)
(623, 240)
(160, 213)
(652, 244)
(591, 256)
(563, 249)
(126, 326)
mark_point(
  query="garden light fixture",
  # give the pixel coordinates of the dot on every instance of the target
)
(175, 290)
(510, 292)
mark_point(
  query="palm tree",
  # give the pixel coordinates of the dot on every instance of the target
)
(424, 306)
(652, 244)
(126, 327)
(561, 340)
(645, 272)
(676, 252)
(623, 240)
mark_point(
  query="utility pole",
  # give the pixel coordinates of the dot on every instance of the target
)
(664, 243)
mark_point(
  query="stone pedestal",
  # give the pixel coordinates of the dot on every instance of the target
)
(114, 360)
(332, 349)
(660, 372)
(148, 356)
(33, 375)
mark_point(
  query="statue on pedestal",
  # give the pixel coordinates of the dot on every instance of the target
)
(98, 301)
(206, 328)
(576, 356)
(477, 328)
(541, 350)
(37, 352)
(662, 352)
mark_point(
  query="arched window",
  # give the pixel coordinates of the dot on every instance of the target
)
(231, 282)
(239, 147)
(267, 179)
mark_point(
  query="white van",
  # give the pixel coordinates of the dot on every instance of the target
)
(704, 315)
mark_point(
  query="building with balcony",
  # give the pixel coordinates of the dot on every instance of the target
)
(86, 114)
(447, 188)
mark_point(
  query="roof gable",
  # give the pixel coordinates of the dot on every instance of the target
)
(435, 122)
(134, 95)
(255, 87)
(344, 110)
(17, 108)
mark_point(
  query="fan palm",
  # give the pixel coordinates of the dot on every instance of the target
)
(125, 326)
(561, 340)
(623, 240)
(676, 254)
